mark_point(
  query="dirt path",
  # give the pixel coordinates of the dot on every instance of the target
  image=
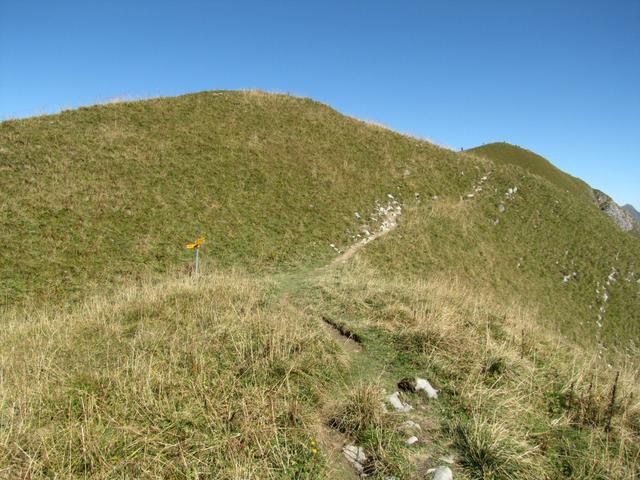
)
(389, 222)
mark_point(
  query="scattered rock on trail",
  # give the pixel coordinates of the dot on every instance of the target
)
(399, 405)
(425, 386)
(355, 456)
(412, 440)
(441, 473)
(416, 385)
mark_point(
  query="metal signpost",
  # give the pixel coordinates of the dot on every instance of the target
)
(195, 246)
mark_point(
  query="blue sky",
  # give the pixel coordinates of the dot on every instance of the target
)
(561, 78)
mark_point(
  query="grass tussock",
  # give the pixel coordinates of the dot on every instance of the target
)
(488, 450)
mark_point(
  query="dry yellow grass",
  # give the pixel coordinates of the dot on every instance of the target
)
(177, 379)
(520, 401)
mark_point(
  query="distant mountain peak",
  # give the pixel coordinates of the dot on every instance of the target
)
(631, 210)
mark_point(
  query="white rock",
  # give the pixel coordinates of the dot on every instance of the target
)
(412, 440)
(442, 473)
(425, 386)
(356, 456)
(399, 405)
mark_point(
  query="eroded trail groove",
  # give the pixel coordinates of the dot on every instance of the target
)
(390, 213)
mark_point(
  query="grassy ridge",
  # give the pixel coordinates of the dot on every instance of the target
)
(503, 153)
(98, 194)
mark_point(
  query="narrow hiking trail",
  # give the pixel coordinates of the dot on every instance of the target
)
(405, 401)
(411, 401)
(389, 222)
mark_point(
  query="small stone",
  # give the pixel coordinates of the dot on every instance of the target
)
(411, 440)
(442, 473)
(425, 386)
(399, 405)
(356, 456)
(501, 208)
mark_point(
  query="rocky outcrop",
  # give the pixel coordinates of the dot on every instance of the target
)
(632, 211)
(620, 217)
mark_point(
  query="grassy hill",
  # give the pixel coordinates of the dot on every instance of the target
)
(98, 194)
(503, 153)
(506, 288)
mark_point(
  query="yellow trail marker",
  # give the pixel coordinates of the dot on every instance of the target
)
(196, 246)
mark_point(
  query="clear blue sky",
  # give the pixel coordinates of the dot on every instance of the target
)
(561, 78)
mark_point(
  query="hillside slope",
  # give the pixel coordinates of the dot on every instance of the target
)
(504, 153)
(509, 291)
(95, 195)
